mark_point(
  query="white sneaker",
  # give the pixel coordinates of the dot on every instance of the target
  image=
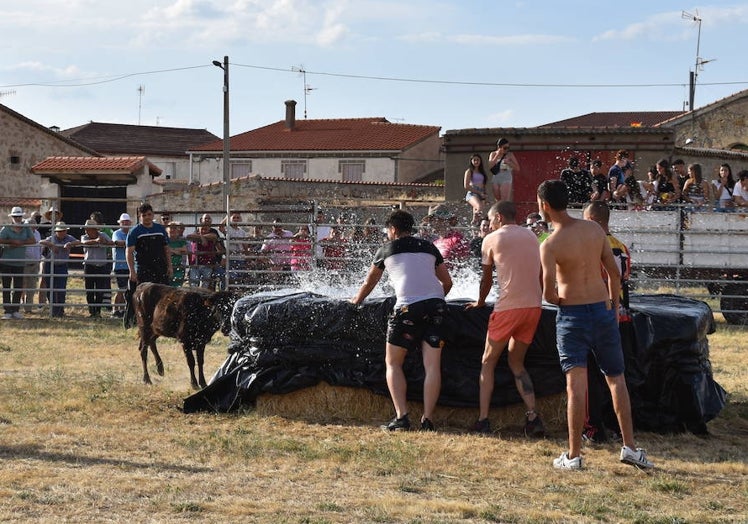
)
(637, 457)
(18, 315)
(564, 462)
(7, 316)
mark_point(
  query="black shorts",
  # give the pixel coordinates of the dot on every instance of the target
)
(422, 321)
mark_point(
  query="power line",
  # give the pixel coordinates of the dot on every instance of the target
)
(83, 82)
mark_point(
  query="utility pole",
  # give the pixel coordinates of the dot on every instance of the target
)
(141, 92)
(699, 65)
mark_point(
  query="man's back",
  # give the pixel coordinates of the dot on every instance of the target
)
(514, 252)
(577, 247)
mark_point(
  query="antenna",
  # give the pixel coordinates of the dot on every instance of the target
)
(7, 93)
(699, 65)
(141, 92)
(307, 88)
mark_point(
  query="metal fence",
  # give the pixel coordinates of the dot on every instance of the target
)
(700, 255)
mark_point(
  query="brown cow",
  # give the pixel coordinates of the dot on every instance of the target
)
(191, 315)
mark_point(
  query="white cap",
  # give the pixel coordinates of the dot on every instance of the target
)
(123, 217)
(16, 212)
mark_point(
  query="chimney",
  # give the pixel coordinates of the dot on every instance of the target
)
(290, 114)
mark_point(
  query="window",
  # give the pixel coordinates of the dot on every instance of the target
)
(241, 168)
(352, 170)
(293, 168)
(168, 169)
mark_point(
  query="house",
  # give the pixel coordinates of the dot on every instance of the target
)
(710, 135)
(165, 147)
(111, 185)
(24, 143)
(344, 149)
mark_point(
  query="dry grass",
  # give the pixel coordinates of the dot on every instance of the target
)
(83, 440)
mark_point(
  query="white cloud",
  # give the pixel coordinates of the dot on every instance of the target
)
(67, 72)
(672, 25)
(500, 119)
(210, 22)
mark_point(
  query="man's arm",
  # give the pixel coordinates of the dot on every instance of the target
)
(486, 281)
(130, 257)
(548, 262)
(614, 274)
(372, 279)
(167, 256)
(443, 275)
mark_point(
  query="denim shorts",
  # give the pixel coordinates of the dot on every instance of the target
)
(586, 328)
(422, 321)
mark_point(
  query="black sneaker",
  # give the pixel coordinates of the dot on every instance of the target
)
(534, 428)
(398, 424)
(482, 426)
(427, 425)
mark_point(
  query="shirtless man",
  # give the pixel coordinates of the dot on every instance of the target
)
(571, 259)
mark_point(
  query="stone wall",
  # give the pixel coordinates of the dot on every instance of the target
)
(721, 127)
(23, 145)
(255, 192)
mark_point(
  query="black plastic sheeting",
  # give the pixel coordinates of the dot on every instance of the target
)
(285, 341)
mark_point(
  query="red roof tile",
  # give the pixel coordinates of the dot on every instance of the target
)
(344, 134)
(617, 119)
(97, 165)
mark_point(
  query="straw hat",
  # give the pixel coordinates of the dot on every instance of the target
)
(48, 213)
(16, 212)
(91, 224)
(60, 226)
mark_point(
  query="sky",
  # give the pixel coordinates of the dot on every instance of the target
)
(456, 64)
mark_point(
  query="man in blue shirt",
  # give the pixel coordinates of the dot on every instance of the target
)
(147, 251)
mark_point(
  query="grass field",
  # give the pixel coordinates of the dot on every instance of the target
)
(82, 440)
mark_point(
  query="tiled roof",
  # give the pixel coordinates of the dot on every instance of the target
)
(344, 134)
(617, 119)
(113, 139)
(57, 135)
(95, 165)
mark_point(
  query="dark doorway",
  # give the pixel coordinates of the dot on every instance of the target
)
(78, 211)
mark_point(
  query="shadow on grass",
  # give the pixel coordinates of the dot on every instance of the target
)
(36, 453)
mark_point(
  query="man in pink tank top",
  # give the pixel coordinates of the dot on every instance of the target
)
(513, 250)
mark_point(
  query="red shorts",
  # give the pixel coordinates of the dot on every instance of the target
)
(519, 324)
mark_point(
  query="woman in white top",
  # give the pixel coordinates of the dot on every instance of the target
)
(475, 185)
(723, 188)
(503, 164)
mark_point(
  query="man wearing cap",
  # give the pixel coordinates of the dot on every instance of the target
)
(14, 238)
(56, 266)
(148, 256)
(120, 270)
(96, 277)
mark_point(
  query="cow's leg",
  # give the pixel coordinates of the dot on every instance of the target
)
(191, 365)
(143, 347)
(200, 351)
(159, 362)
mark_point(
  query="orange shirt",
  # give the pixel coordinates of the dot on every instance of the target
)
(515, 253)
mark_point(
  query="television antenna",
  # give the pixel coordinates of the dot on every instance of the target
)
(7, 93)
(307, 88)
(141, 92)
(699, 65)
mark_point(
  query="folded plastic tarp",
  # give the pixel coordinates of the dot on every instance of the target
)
(285, 341)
